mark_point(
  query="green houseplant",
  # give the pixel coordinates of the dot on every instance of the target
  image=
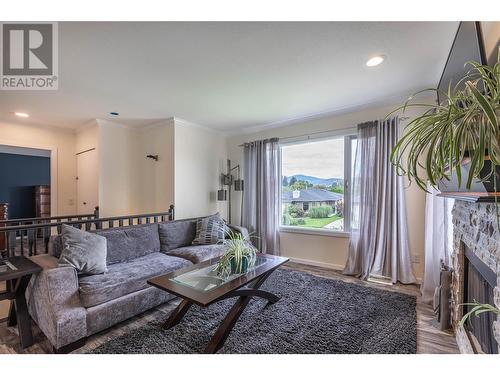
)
(463, 130)
(239, 256)
(479, 308)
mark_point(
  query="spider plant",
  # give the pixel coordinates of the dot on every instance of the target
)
(239, 256)
(445, 135)
(479, 308)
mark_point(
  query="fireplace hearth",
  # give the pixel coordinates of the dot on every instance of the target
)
(476, 264)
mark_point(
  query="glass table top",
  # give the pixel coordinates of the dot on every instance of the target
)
(205, 279)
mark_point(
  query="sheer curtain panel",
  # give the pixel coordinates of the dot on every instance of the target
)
(261, 199)
(379, 234)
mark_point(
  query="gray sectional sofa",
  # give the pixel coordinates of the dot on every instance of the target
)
(68, 307)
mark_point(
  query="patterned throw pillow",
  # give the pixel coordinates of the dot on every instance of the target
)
(210, 230)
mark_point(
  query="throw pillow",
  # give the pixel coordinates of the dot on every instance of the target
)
(210, 230)
(84, 251)
(176, 233)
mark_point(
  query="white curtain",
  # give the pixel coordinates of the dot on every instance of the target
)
(261, 197)
(379, 234)
(438, 240)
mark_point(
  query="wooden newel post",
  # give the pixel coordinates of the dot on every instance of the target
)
(4, 208)
(171, 212)
(96, 212)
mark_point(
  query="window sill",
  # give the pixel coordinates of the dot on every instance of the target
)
(313, 231)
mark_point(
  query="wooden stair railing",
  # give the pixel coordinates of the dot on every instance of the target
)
(22, 239)
(50, 219)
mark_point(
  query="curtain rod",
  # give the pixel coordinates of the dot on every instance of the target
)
(321, 132)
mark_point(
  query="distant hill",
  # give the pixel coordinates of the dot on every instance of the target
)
(317, 180)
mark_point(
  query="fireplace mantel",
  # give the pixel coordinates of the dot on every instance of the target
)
(475, 197)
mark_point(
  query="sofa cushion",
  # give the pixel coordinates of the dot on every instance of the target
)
(131, 242)
(114, 252)
(210, 230)
(177, 233)
(199, 253)
(84, 251)
(127, 277)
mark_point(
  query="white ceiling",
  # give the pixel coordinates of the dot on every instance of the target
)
(231, 76)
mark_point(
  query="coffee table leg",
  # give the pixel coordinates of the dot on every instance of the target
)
(227, 325)
(231, 318)
(250, 292)
(177, 315)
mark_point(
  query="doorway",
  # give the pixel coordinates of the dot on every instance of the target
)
(24, 174)
(87, 182)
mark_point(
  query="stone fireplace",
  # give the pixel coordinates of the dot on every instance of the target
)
(475, 259)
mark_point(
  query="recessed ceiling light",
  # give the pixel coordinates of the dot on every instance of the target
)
(21, 114)
(375, 60)
(114, 113)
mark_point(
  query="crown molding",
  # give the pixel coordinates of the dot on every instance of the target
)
(387, 101)
(203, 127)
(157, 124)
(101, 121)
(36, 124)
(85, 126)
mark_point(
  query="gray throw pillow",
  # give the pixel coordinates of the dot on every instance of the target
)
(210, 230)
(83, 250)
(176, 233)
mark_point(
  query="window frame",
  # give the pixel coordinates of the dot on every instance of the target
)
(348, 135)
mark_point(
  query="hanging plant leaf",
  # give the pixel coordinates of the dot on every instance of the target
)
(436, 144)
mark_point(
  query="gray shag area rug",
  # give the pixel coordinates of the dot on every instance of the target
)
(314, 315)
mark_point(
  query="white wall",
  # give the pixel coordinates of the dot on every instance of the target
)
(120, 184)
(61, 143)
(200, 158)
(331, 251)
(87, 169)
(157, 176)
(491, 36)
(129, 182)
(87, 136)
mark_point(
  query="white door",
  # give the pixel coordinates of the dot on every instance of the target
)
(87, 182)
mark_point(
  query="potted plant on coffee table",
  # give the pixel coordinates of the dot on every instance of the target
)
(238, 258)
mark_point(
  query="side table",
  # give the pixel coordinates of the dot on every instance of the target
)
(17, 272)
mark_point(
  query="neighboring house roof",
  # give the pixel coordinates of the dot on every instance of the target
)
(311, 195)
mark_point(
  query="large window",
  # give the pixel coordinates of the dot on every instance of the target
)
(315, 179)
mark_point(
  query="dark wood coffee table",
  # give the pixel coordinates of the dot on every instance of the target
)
(199, 285)
(17, 274)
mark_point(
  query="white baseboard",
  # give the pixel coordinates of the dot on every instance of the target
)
(332, 266)
(337, 267)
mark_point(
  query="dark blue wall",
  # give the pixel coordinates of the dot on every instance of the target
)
(18, 175)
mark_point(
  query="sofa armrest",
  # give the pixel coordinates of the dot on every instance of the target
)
(54, 302)
(242, 230)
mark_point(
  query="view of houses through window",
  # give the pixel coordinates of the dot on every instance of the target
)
(314, 190)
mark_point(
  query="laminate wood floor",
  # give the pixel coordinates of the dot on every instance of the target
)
(429, 339)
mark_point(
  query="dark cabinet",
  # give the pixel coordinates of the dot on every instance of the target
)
(42, 201)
